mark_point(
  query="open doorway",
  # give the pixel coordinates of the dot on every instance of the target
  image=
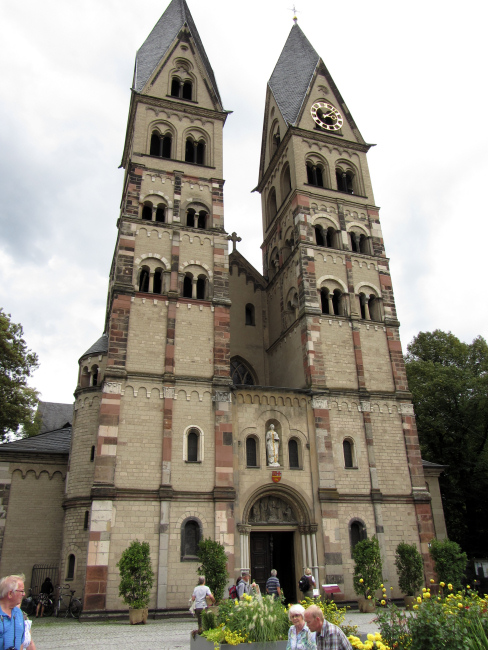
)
(274, 550)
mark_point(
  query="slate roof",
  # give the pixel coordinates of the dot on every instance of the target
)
(159, 40)
(51, 442)
(427, 464)
(99, 347)
(292, 74)
(54, 415)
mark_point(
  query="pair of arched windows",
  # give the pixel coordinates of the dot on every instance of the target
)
(370, 307)
(89, 377)
(252, 451)
(331, 301)
(326, 237)
(345, 181)
(315, 175)
(161, 145)
(183, 89)
(359, 243)
(153, 213)
(195, 151)
(145, 284)
(195, 287)
(196, 219)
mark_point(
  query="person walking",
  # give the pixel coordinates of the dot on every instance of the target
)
(200, 595)
(307, 584)
(243, 586)
(299, 636)
(273, 584)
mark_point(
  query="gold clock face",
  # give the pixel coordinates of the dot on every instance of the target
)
(326, 116)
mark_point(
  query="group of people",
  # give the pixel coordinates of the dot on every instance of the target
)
(308, 631)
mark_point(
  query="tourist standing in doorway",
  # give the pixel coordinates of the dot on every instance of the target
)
(200, 595)
(273, 584)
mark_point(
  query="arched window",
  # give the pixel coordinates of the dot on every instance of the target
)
(285, 181)
(192, 443)
(187, 90)
(189, 150)
(200, 153)
(147, 210)
(272, 206)
(70, 567)
(348, 449)
(336, 302)
(251, 452)
(241, 373)
(364, 245)
(166, 147)
(330, 238)
(324, 300)
(357, 532)
(94, 376)
(161, 213)
(175, 87)
(374, 307)
(187, 285)
(202, 220)
(293, 454)
(158, 281)
(250, 314)
(86, 520)
(191, 534)
(144, 280)
(354, 242)
(190, 218)
(201, 283)
(195, 151)
(155, 147)
(319, 236)
(85, 378)
(160, 145)
(315, 175)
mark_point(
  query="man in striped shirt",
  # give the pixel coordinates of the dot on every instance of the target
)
(327, 636)
(273, 584)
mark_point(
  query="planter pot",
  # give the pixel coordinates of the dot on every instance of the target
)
(361, 600)
(409, 602)
(137, 616)
(201, 643)
(369, 606)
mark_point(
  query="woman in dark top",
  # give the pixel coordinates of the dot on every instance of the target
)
(46, 590)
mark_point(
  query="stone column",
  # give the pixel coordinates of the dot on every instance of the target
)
(245, 532)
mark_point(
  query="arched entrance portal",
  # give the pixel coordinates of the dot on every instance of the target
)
(277, 533)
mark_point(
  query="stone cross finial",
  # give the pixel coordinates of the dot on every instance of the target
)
(234, 238)
(294, 14)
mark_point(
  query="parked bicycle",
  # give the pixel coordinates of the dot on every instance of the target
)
(29, 605)
(73, 605)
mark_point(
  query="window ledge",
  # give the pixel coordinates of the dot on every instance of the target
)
(253, 466)
(348, 468)
(296, 468)
(193, 462)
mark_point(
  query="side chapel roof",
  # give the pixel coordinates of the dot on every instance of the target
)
(156, 45)
(51, 442)
(292, 74)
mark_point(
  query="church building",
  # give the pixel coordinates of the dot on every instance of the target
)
(269, 412)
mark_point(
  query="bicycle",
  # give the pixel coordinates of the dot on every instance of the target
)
(73, 607)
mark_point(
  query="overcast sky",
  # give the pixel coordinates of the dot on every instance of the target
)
(412, 74)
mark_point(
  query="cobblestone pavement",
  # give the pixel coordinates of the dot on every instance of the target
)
(165, 634)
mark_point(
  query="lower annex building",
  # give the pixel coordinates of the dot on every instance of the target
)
(270, 412)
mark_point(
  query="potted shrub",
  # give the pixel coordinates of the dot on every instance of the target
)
(367, 572)
(136, 580)
(450, 562)
(213, 565)
(410, 569)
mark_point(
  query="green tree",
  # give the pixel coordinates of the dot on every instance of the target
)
(17, 400)
(410, 568)
(213, 566)
(136, 575)
(367, 567)
(449, 383)
(450, 562)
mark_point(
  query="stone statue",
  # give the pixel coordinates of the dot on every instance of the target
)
(273, 447)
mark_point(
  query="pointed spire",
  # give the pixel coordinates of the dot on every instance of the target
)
(292, 74)
(176, 16)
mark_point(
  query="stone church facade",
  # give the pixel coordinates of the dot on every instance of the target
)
(269, 412)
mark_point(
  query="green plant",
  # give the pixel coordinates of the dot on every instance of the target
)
(393, 626)
(476, 636)
(332, 613)
(450, 561)
(209, 620)
(136, 575)
(260, 618)
(410, 568)
(367, 567)
(213, 566)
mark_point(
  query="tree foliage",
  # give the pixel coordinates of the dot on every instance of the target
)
(136, 575)
(367, 567)
(449, 383)
(410, 568)
(450, 562)
(213, 566)
(17, 400)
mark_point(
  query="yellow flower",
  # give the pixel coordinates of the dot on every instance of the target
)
(468, 587)
(424, 589)
(370, 637)
(383, 602)
(361, 580)
(427, 594)
(460, 605)
(432, 580)
(384, 590)
(415, 606)
(391, 588)
(449, 586)
(419, 600)
(442, 584)
(369, 597)
(382, 586)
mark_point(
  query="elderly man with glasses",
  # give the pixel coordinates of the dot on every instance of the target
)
(12, 619)
(327, 636)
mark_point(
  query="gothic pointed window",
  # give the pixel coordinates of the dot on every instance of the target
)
(241, 373)
(251, 452)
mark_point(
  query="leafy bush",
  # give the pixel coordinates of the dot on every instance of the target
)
(213, 566)
(410, 568)
(367, 567)
(332, 613)
(450, 562)
(136, 575)
(209, 620)
(262, 618)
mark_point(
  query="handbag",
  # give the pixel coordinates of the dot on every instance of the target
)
(192, 607)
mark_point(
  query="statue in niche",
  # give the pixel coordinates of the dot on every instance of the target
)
(272, 510)
(273, 447)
